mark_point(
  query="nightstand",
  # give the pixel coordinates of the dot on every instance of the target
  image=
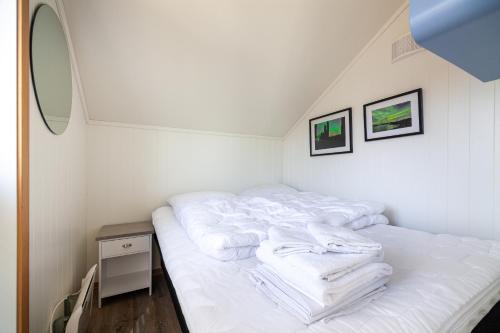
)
(124, 258)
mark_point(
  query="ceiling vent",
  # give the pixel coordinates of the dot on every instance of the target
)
(404, 47)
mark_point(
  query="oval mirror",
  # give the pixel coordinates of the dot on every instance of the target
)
(51, 69)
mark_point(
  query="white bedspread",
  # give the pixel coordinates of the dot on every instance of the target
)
(440, 283)
(231, 228)
(326, 208)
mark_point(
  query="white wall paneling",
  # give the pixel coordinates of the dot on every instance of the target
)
(132, 170)
(458, 169)
(481, 173)
(8, 165)
(446, 180)
(57, 207)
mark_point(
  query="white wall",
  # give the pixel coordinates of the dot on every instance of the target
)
(8, 165)
(57, 209)
(133, 170)
(447, 180)
(103, 173)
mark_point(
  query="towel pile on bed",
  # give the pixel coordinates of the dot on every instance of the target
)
(321, 271)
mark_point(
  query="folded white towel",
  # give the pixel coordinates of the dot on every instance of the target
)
(328, 293)
(366, 221)
(287, 241)
(342, 240)
(306, 309)
(328, 266)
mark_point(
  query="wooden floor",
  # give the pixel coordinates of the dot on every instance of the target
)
(137, 311)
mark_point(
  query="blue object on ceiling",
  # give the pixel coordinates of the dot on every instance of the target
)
(464, 32)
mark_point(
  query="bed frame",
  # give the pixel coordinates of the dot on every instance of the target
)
(173, 294)
(489, 324)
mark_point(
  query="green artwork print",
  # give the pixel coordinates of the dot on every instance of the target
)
(392, 117)
(330, 134)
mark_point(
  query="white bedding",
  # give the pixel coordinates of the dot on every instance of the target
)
(317, 266)
(231, 227)
(440, 283)
(270, 284)
(332, 209)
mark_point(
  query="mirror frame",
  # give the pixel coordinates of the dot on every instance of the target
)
(33, 76)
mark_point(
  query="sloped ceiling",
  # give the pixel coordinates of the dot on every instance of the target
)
(240, 66)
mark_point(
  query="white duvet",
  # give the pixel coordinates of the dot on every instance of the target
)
(440, 283)
(326, 208)
(232, 227)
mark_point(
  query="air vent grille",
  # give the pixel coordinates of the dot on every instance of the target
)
(404, 47)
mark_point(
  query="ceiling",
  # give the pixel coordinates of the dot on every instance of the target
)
(239, 66)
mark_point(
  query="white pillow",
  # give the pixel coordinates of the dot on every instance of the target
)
(179, 201)
(264, 190)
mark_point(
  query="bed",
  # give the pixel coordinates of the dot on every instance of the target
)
(441, 283)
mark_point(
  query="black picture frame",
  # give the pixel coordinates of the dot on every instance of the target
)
(348, 125)
(419, 93)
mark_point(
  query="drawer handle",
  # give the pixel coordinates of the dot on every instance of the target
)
(127, 245)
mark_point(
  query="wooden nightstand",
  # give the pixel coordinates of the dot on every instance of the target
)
(124, 258)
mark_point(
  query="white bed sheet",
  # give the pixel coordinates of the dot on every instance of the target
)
(441, 283)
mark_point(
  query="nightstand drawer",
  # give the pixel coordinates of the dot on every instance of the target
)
(124, 246)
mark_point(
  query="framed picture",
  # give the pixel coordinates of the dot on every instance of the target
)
(331, 133)
(396, 116)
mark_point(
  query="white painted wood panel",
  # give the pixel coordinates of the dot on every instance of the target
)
(446, 180)
(458, 152)
(57, 208)
(436, 134)
(482, 140)
(133, 170)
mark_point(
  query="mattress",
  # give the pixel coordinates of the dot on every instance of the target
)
(441, 283)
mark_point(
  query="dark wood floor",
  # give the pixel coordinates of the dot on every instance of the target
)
(137, 312)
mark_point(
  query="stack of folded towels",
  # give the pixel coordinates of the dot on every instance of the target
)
(320, 272)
